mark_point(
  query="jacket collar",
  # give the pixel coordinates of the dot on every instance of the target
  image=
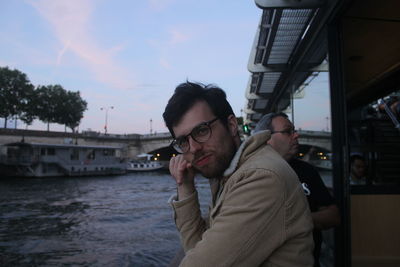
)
(247, 147)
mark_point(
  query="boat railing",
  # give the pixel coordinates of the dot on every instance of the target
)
(50, 159)
(391, 115)
(78, 166)
(13, 160)
(3, 158)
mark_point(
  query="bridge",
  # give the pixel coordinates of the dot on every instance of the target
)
(132, 145)
(318, 139)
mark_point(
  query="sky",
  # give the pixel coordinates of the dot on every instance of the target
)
(130, 55)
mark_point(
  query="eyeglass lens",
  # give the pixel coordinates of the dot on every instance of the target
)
(200, 134)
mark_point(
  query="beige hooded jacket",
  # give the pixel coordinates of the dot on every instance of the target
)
(259, 216)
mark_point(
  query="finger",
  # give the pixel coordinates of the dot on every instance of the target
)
(177, 168)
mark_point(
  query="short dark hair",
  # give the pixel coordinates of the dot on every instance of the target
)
(355, 157)
(187, 94)
(265, 123)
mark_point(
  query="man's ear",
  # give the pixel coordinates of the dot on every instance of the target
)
(233, 125)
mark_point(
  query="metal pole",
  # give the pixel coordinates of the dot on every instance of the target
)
(151, 126)
(292, 100)
(105, 125)
(106, 119)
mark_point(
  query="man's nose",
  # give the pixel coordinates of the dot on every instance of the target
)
(295, 135)
(194, 146)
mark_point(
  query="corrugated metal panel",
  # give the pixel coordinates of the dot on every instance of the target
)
(290, 45)
(265, 29)
(256, 79)
(269, 81)
(260, 104)
(292, 25)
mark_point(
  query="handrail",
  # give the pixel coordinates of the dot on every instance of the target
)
(391, 115)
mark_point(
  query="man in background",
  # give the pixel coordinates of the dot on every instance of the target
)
(284, 139)
(259, 215)
(357, 170)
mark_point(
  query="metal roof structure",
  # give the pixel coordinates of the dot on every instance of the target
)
(362, 38)
(289, 46)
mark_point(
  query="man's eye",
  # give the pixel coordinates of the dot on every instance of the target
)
(181, 141)
(203, 130)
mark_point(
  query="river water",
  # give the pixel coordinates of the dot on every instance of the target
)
(99, 221)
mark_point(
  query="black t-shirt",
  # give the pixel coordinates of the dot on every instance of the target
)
(316, 192)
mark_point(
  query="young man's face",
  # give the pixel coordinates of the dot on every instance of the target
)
(212, 157)
(358, 168)
(285, 143)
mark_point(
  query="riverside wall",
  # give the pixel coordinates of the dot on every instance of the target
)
(129, 144)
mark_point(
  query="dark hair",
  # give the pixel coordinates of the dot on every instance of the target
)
(187, 94)
(354, 157)
(265, 123)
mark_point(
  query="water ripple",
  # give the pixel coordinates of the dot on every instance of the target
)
(89, 221)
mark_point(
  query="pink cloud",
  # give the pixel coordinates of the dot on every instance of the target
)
(177, 37)
(70, 21)
(159, 5)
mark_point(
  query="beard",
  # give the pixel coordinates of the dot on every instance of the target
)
(222, 160)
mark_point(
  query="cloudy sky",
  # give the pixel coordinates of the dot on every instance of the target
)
(132, 54)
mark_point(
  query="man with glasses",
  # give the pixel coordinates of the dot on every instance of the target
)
(259, 214)
(284, 139)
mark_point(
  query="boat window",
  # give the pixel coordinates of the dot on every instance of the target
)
(374, 139)
(75, 154)
(51, 151)
(314, 128)
(43, 151)
(3, 150)
(12, 152)
(91, 154)
(108, 152)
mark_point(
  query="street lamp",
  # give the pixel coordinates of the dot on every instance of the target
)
(106, 109)
(151, 126)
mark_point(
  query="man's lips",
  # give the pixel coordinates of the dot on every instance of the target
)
(295, 146)
(203, 160)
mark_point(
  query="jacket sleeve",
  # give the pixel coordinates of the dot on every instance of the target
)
(248, 225)
(188, 220)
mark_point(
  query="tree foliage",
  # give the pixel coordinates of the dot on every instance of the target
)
(15, 93)
(50, 103)
(56, 105)
(74, 108)
(45, 103)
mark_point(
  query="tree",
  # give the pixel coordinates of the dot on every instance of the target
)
(70, 111)
(56, 105)
(15, 91)
(44, 107)
(29, 109)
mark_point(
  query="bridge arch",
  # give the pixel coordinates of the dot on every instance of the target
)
(163, 153)
(312, 152)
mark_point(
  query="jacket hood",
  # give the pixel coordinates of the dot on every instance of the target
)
(246, 149)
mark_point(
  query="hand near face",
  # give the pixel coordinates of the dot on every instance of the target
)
(181, 170)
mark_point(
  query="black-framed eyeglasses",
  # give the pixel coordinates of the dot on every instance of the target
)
(201, 133)
(290, 131)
